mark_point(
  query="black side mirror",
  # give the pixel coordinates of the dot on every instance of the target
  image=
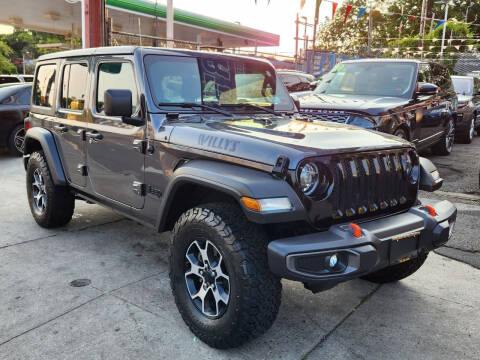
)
(118, 102)
(314, 84)
(296, 102)
(427, 89)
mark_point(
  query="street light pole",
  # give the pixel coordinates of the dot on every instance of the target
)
(444, 28)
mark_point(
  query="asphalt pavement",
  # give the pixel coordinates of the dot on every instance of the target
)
(126, 310)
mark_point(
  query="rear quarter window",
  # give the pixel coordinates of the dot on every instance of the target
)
(44, 87)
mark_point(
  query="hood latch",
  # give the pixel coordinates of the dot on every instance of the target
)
(281, 167)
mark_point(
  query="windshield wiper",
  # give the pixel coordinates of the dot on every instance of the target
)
(255, 107)
(203, 106)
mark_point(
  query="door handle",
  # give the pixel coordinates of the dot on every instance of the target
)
(95, 135)
(62, 128)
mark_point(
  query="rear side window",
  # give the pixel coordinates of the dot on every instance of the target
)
(115, 75)
(44, 88)
(74, 86)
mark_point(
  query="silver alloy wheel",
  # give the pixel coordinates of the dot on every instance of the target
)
(38, 192)
(207, 279)
(449, 139)
(19, 139)
(471, 133)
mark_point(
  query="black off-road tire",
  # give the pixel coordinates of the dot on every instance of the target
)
(442, 147)
(397, 272)
(466, 135)
(17, 134)
(255, 292)
(59, 201)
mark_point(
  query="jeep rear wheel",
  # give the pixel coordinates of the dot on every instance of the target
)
(219, 275)
(397, 272)
(51, 205)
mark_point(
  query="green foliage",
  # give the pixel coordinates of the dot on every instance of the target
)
(6, 67)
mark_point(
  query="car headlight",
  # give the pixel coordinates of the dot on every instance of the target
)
(308, 178)
(362, 122)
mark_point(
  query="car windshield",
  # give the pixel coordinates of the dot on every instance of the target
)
(463, 86)
(215, 81)
(369, 78)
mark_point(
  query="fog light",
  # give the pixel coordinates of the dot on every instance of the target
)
(451, 226)
(332, 261)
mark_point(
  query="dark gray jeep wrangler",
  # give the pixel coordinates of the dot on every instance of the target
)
(211, 147)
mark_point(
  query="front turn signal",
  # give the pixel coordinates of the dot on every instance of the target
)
(431, 210)
(267, 205)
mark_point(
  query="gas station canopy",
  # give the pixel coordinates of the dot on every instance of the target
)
(142, 18)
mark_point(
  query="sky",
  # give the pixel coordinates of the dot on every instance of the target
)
(275, 16)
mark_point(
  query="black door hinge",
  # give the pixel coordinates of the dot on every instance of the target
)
(139, 188)
(140, 145)
(281, 167)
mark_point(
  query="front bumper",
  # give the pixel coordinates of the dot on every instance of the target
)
(383, 242)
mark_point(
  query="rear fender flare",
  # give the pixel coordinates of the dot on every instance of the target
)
(44, 137)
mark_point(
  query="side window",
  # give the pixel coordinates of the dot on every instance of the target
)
(24, 97)
(74, 86)
(423, 74)
(115, 75)
(44, 87)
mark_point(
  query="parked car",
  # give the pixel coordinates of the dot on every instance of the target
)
(296, 80)
(16, 79)
(210, 146)
(468, 111)
(14, 108)
(407, 98)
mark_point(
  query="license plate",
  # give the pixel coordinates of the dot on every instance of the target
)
(404, 247)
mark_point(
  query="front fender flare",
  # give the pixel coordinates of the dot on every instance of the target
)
(45, 138)
(235, 181)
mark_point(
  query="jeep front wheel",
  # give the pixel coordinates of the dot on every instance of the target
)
(51, 205)
(219, 275)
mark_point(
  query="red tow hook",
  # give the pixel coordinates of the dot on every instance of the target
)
(357, 231)
(431, 210)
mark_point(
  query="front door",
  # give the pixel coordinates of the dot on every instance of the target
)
(70, 124)
(115, 159)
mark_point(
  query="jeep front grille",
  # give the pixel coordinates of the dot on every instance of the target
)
(370, 183)
(334, 116)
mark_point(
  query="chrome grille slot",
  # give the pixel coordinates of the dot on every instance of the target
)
(370, 183)
(338, 117)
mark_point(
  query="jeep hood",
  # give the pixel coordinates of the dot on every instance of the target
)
(264, 141)
(368, 104)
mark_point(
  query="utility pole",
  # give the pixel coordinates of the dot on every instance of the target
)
(444, 27)
(370, 24)
(170, 23)
(422, 17)
(315, 24)
(466, 14)
(296, 40)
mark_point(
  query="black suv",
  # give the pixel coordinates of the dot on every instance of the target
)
(210, 147)
(468, 111)
(407, 98)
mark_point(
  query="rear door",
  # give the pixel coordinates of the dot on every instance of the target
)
(70, 123)
(114, 151)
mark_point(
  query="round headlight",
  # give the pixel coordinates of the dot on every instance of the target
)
(362, 122)
(308, 178)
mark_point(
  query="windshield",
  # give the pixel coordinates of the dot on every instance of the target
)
(215, 81)
(369, 78)
(463, 86)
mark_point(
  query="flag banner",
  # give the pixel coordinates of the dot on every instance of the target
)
(375, 12)
(457, 47)
(334, 8)
(361, 12)
(411, 17)
(435, 39)
(470, 47)
(347, 11)
(440, 23)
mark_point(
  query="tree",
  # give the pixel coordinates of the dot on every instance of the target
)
(6, 67)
